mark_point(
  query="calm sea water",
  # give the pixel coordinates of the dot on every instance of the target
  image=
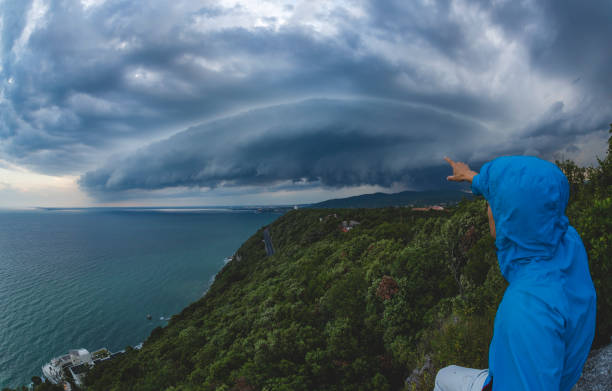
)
(88, 278)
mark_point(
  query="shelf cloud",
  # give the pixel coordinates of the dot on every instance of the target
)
(332, 142)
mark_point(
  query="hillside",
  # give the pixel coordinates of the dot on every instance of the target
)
(381, 200)
(398, 296)
(329, 310)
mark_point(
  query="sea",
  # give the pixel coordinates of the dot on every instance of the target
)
(88, 278)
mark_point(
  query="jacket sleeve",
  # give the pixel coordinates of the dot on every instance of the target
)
(480, 183)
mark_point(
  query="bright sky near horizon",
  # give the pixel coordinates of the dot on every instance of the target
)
(184, 102)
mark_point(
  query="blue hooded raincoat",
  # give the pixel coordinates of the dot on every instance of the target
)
(545, 323)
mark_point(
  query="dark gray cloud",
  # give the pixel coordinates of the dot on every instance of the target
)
(83, 84)
(329, 142)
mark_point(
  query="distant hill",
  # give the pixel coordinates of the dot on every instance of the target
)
(379, 200)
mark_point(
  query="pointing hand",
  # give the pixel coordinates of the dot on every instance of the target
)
(461, 171)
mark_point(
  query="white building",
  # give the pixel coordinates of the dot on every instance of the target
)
(77, 361)
(80, 356)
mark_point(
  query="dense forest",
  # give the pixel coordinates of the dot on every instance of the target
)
(381, 306)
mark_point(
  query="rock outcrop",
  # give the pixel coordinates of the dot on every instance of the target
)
(597, 372)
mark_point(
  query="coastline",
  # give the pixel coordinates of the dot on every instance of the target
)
(103, 272)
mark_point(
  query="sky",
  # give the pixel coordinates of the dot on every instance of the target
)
(234, 102)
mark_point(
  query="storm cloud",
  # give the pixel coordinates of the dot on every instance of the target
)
(185, 94)
(331, 142)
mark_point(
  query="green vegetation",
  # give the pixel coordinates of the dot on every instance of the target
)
(400, 295)
(331, 310)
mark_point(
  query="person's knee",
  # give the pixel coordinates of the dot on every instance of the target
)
(445, 379)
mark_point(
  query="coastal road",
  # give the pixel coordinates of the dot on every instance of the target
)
(268, 242)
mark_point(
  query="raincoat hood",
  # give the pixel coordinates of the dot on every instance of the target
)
(528, 197)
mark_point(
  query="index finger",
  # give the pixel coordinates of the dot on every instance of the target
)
(449, 161)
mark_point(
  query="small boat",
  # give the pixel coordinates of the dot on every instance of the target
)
(149, 317)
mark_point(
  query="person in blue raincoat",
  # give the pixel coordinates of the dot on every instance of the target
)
(545, 322)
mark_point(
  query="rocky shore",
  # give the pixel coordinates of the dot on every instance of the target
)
(597, 372)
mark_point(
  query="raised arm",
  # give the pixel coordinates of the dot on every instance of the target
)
(461, 171)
